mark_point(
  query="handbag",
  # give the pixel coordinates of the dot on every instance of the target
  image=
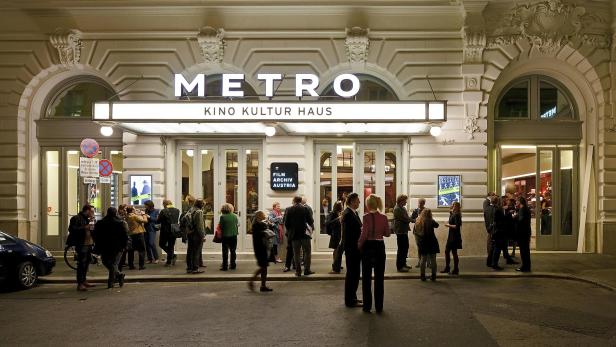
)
(176, 231)
(218, 234)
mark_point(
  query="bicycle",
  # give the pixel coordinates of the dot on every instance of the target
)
(70, 257)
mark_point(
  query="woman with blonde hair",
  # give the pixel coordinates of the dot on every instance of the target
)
(454, 239)
(261, 241)
(372, 246)
(228, 223)
(426, 242)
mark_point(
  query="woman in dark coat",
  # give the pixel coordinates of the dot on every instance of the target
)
(426, 242)
(523, 232)
(454, 239)
(260, 245)
(333, 226)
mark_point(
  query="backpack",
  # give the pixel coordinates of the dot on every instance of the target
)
(186, 223)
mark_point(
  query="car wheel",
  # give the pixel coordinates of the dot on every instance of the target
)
(27, 275)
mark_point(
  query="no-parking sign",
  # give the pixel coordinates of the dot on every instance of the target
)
(105, 168)
(89, 147)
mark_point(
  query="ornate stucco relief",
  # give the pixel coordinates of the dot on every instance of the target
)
(547, 25)
(474, 43)
(357, 44)
(212, 44)
(68, 43)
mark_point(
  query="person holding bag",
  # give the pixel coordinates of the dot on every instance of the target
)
(427, 243)
(262, 241)
(372, 247)
(229, 225)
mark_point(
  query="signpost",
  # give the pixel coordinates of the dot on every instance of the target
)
(284, 176)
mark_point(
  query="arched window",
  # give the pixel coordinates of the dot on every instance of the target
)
(213, 89)
(372, 89)
(74, 99)
(535, 98)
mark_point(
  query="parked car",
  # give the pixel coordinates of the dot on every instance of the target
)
(22, 262)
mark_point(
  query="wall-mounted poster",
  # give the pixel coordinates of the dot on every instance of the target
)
(449, 190)
(140, 189)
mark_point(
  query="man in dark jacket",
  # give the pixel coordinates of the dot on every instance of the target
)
(523, 232)
(421, 205)
(195, 238)
(488, 219)
(401, 228)
(168, 219)
(111, 237)
(298, 218)
(80, 236)
(351, 230)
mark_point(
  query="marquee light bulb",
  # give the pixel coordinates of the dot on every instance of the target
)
(190, 152)
(270, 131)
(435, 131)
(106, 131)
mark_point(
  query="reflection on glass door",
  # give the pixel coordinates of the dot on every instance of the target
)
(51, 201)
(252, 187)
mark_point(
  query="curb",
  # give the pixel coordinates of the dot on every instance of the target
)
(314, 278)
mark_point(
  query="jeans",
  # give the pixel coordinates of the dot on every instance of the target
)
(351, 280)
(138, 244)
(229, 245)
(403, 250)
(373, 257)
(195, 248)
(84, 256)
(167, 244)
(150, 244)
(422, 264)
(111, 261)
(337, 264)
(304, 244)
(456, 260)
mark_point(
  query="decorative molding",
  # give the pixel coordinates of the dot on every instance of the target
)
(548, 25)
(447, 142)
(68, 43)
(357, 44)
(471, 83)
(212, 44)
(474, 44)
(471, 124)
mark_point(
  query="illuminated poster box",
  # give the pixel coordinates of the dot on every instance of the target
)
(449, 190)
(140, 189)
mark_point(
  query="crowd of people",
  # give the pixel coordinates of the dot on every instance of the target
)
(127, 230)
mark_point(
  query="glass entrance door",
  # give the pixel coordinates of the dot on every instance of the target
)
(222, 174)
(362, 168)
(545, 176)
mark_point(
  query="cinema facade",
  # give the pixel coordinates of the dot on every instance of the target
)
(454, 99)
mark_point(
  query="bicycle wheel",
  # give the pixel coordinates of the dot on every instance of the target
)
(70, 257)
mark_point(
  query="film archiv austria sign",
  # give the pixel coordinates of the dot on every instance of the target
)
(344, 85)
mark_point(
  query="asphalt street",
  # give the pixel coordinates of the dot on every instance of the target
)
(450, 312)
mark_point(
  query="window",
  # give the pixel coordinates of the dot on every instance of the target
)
(75, 99)
(372, 89)
(536, 98)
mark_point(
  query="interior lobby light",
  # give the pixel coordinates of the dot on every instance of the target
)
(270, 131)
(106, 131)
(435, 131)
(190, 152)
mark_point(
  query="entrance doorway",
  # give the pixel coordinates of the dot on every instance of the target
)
(363, 168)
(64, 191)
(547, 177)
(222, 174)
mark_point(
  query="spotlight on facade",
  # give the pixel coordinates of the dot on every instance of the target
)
(435, 131)
(190, 152)
(106, 131)
(270, 131)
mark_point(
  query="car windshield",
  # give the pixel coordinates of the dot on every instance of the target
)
(6, 239)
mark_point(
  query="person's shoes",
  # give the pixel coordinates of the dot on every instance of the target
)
(109, 285)
(131, 268)
(379, 310)
(266, 289)
(142, 268)
(366, 310)
(403, 269)
(334, 272)
(121, 280)
(522, 270)
(423, 278)
(167, 264)
(407, 267)
(298, 274)
(278, 260)
(82, 288)
(156, 261)
(175, 257)
(251, 286)
(197, 272)
(433, 278)
(512, 262)
(445, 270)
(149, 261)
(308, 273)
(233, 267)
(455, 272)
(223, 269)
(497, 268)
(201, 265)
(189, 271)
(88, 285)
(286, 269)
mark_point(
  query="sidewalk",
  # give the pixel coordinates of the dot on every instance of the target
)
(592, 268)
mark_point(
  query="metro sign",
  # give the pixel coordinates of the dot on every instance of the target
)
(232, 83)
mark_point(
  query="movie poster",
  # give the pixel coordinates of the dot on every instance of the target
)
(140, 189)
(449, 190)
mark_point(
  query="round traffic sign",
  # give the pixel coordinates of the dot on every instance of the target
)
(89, 148)
(105, 168)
